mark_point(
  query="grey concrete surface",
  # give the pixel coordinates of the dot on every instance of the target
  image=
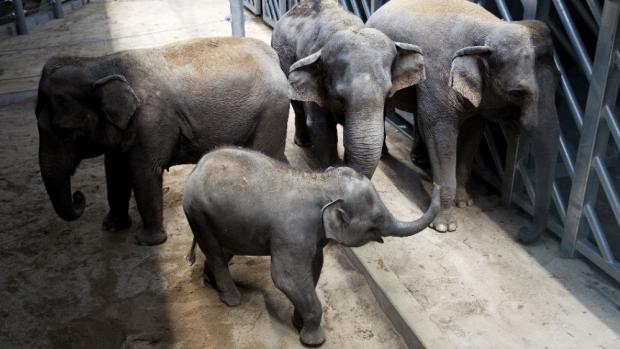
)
(72, 285)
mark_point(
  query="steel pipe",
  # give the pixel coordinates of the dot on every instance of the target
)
(20, 18)
(237, 18)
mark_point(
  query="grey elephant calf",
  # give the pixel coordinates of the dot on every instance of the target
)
(241, 202)
(150, 109)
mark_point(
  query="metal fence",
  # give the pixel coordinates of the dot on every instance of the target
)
(588, 163)
(587, 103)
(18, 16)
(274, 9)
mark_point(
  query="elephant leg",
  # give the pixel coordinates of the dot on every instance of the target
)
(470, 136)
(207, 272)
(387, 110)
(302, 134)
(324, 135)
(118, 180)
(442, 152)
(270, 132)
(292, 276)
(216, 270)
(317, 266)
(419, 153)
(147, 182)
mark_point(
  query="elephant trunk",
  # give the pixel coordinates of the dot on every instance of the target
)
(56, 169)
(402, 229)
(539, 123)
(363, 140)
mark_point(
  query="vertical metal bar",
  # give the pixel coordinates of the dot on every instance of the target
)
(597, 97)
(237, 18)
(20, 18)
(57, 9)
(573, 36)
(503, 10)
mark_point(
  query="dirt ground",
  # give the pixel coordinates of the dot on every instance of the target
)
(71, 285)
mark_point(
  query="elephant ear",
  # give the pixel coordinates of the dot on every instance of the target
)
(408, 67)
(118, 100)
(305, 81)
(335, 220)
(466, 76)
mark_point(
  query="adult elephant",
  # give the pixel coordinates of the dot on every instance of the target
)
(150, 109)
(478, 67)
(341, 73)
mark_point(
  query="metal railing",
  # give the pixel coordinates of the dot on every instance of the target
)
(587, 103)
(274, 9)
(21, 17)
(587, 223)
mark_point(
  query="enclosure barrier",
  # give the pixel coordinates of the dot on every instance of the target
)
(589, 156)
(15, 16)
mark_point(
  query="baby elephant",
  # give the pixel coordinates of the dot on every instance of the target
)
(241, 202)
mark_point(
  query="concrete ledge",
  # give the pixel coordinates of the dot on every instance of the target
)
(407, 315)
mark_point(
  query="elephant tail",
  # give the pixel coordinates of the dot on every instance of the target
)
(191, 254)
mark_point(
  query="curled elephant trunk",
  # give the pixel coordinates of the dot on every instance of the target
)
(363, 141)
(56, 170)
(540, 125)
(402, 229)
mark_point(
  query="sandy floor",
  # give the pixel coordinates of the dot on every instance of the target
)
(71, 285)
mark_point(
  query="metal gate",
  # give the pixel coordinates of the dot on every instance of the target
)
(589, 160)
(274, 9)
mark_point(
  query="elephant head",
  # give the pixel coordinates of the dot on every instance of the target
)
(360, 216)
(352, 75)
(79, 115)
(514, 67)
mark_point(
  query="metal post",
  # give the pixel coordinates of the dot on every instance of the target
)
(237, 18)
(57, 9)
(20, 18)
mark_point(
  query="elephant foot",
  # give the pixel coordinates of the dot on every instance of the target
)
(150, 238)
(231, 298)
(463, 199)
(302, 140)
(114, 223)
(312, 337)
(527, 235)
(444, 221)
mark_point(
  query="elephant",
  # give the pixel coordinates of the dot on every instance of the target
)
(478, 68)
(241, 202)
(149, 109)
(341, 73)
